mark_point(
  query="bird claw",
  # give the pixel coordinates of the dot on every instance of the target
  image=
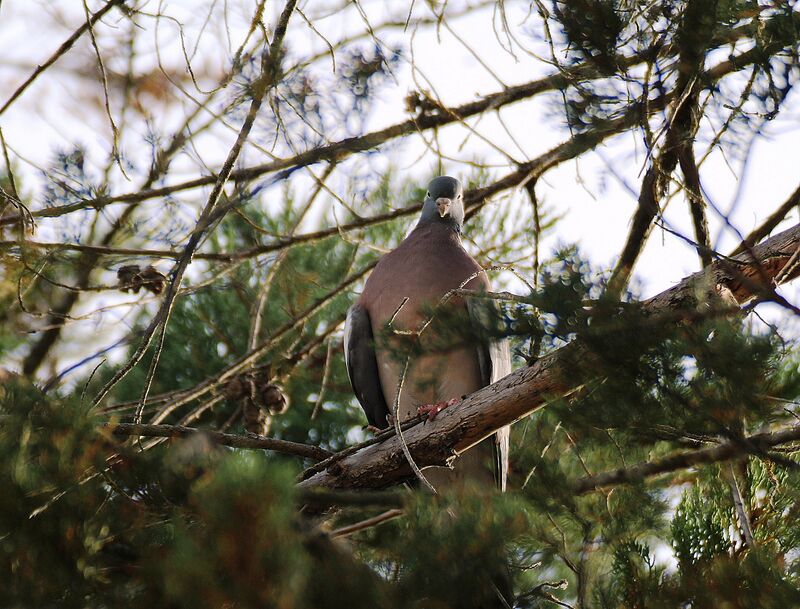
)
(434, 409)
(374, 429)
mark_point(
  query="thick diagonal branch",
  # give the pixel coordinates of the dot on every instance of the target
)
(697, 206)
(519, 394)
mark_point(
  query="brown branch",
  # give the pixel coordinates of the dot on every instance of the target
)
(770, 223)
(367, 524)
(278, 245)
(226, 439)
(60, 51)
(697, 206)
(526, 390)
(684, 460)
(376, 439)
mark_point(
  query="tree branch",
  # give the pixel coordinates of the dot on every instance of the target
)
(60, 51)
(226, 439)
(715, 454)
(367, 524)
(770, 223)
(697, 206)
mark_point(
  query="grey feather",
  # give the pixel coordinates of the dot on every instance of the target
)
(447, 189)
(494, 356)
(362, 365)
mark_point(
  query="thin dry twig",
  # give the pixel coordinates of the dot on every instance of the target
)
(741, 510)
(60, 51)
(251, 441)
(270, 66)
(753, 444)
(367, 523)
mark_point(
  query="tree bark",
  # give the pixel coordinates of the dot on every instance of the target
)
(732, 281)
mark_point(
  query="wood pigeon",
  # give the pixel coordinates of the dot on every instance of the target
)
(404, 287)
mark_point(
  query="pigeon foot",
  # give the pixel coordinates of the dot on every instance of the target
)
(434, 409)
(374, 429)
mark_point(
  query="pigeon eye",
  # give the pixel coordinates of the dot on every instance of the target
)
(428, 194)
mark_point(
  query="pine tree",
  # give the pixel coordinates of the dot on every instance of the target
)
(654, 464)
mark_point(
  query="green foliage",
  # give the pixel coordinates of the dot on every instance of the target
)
(592, 28)
(49, 521)
(259, 562)
(452, 551)
(634, 578)
(190, 525)
(700, 528)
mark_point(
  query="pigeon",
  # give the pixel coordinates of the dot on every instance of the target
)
(397, 300)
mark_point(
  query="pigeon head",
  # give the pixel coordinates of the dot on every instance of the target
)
(444, 203)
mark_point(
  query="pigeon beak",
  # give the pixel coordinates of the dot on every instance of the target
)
(443, 205)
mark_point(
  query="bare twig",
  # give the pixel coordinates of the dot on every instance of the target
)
(250, 441)
(270, 67)
(683, 460)
(741, 509)
(60, 51)
(367, 524)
